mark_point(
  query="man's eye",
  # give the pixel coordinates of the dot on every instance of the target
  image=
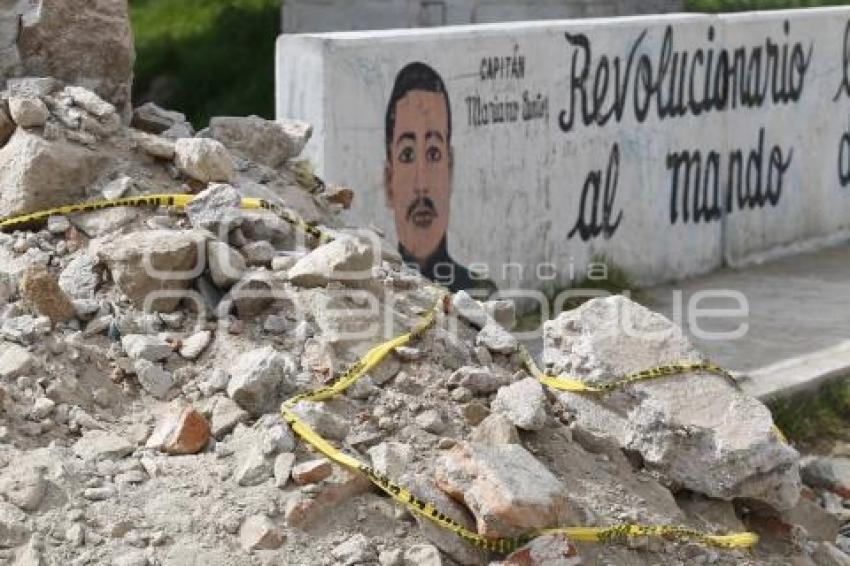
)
(407, 155)
(434, 154)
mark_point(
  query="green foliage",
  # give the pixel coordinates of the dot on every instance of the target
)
(742, 5)
(206, 57)
(815, 419)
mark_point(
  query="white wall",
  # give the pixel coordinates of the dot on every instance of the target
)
(518, 186)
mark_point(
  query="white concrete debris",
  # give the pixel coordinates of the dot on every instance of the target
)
(263, 141)
(28, 112)
(730, 450)
(523, 403)
(345, 259)
(203, 159)
(216, 209)
(145, 347)
(259, 378)
(227, 266)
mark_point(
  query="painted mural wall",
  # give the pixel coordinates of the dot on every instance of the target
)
(518, 153)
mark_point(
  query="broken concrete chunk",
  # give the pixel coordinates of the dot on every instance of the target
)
(258, 532)
(283, 468)
(153, 378)
(216, 209)
(259, 378)
(28, 112)
(262, 141)
(102, 445)
(155, 267)
(730, 449)
(832, 473)
(89, 101)
(505, 487)
(469, 309)
(39, 174)
(227, 266)
(322, 420)
(496, 339)
(253, 468)
(146, 347)
(523, 403)
(344, 259)
(155, 146)
(80, 278)
(193, 346)
(391, 458)
(14, 526)
(203, 159)
(253, 294)
(494, 430)
(156, 120)
(14, 360)
(23, 486)
(226, 414)
(356, 550)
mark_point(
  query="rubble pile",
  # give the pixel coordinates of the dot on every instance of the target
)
(145, 352)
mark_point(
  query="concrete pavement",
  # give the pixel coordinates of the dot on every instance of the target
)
(798, 319)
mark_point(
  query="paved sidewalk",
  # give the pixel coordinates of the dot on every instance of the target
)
(799, 319)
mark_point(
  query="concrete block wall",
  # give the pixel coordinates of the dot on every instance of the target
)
(302, 16)
(553, 166)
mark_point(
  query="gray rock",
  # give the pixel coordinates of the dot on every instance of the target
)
(523, 403)
(39, 174)
(423, 555)
(262, 141)
(495, 430)
(155, 120)
(831, 473)
(14, 360)
(259, 378)
(131, 558)
(431, 421)
(68, 40)
(258, 532)
(503, 312)
(391, 458)
(225, 416)
(394, 557)
(32, 86)
(259, 253)
(216, 209)
(826, 554)
(276, 439)
(253, 469)
(480, 381)
(469, 309)
(203, 159)
(14, 526)
(98, 445)
(356, 550)
(153, 378)
(283, 468)
(505, 487)
(80, 278)
(496, 339)
(730, 450)
(320, 419)
(89, 101)
(253, 294)
(155, 146)
(155, 261)
(227, 266)
(23, 486)
(98, 223)
(28, 112)
(344, 259)
(146, 347)
(192, 347)
(548, 549)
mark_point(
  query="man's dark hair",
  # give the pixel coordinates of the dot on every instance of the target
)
(415, 76)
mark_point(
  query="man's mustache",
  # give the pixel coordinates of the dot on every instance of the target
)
(421, 202)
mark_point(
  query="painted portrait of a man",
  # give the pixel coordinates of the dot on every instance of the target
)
(418, 175)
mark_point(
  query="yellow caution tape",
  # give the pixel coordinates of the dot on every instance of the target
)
(376, 355)
(149, 201)
(616, 533)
